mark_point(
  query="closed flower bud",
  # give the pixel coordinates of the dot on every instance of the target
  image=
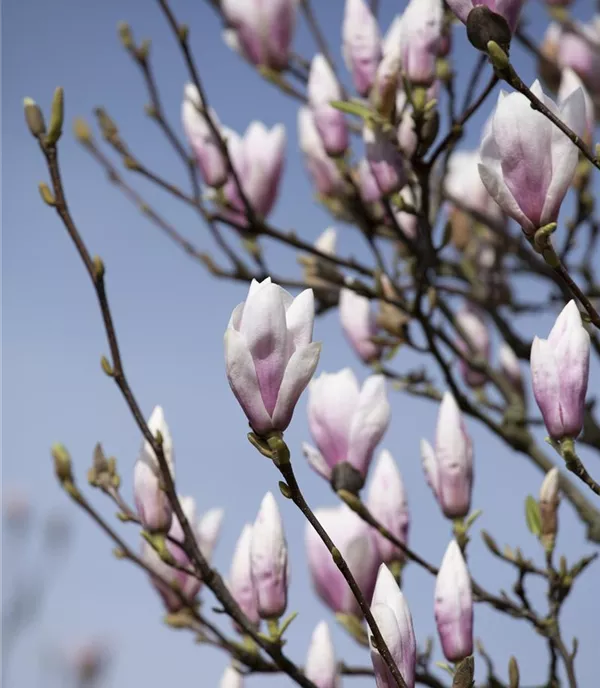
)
(323, 87)
(385, 160)
(454, 605)
(327, 241)
(569, 83)
(240, 583)
(527, 164)
(258, 160)
(325, 175)
(394, 620)
(420, 40)
(231, 679)
(449, 467)
(321, 666)
(269, 560)
(207, 531)
(509, 9)
(263, 31)
(549, 508)
(152, 504)
(361, 44)
(386, 500)
(478, 338)
(560, 369)
(352, 537)
(346, 422)
(367, 184)
(209, 157)
(269, 356)
(509, 364)
(387, 78)
(359, 324)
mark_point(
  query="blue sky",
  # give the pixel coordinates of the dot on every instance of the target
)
(170, 317)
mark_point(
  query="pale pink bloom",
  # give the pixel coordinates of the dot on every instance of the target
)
(449, 467)
(346, 422)
(359, 324)
(569, 83)
(454, 605)
(509, 364)
(478, 337)
(550, 486)
(361, 44)
(386, 500)
(263, 30)
(321, 666)
(560, 369)
(394, 620)
(231, 679)
(352, 537)
(579, 52)
(385, 160)
(325, 175)
(527, 163)
(269, 355)
(322, 88)
(420, 40)
(151, 501)
(269, 560)
(240, 582)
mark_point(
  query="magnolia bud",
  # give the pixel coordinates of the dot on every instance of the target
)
(549, 508)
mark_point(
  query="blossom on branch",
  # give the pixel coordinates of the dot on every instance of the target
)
(322, 88)
(321, 666)
(361, 44)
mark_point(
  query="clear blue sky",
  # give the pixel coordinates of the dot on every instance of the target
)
(170, 317)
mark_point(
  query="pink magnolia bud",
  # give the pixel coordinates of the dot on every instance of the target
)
(322, 88)
(420, 40)
(527, 164)
(359, 324)
(386, 500)
(167, 576)
(269, 560)
(394, 620)
(258, 160)
(361, 44)
(367, 184)
(569, 83)
(152, 504)
(478, 337)
(264, 30)
(509, 364)
(387, 77)
(346, 422)
(560, 369)
(269, 356)
(207, 531)
(509, 9)
(454, 605)
(211, 162)
(406, 133)
(231, 679)
(321, 666)
(549, 486)
(579, 50)
(240, 581)
(322, 168)
(352, 537)
(385, 160)
(326, 241)
(449, 467)
(408, 222)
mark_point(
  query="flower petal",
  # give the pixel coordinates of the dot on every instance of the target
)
(546, 387)
(316, 461)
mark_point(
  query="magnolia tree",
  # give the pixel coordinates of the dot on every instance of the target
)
(445, 233)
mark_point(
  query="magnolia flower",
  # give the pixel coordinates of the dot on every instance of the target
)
(166, 576)
(509, 364)
(560, 369)
(527, 163)
(385, 160)
(258, 161)
(548, 506)
(326, 241)
(359, 324)
(509, 9)
(240, 583)
(321, 666)
(420, 40)
(579, 50)
(263, 31)
(406, 133)
(321, 167)
(210, 159)
(394, 620)
(569, 83)
(479, 339)
(231, 679)
(449, 467)
(151, 501)
(269, 560)
(367, 184)
(549, 486)
(269, 356)
(386, 500)
(361, 44)
(352, 537)
(387, 77)
(346, 422)
(408, 222)
(322, 88)
(454, 605)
